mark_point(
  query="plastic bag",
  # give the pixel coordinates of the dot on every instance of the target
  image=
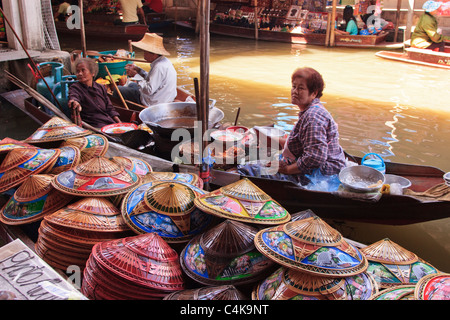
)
(321, 182)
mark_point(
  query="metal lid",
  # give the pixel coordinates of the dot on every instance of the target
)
(311, 245)
(243, 201)
(98, 177)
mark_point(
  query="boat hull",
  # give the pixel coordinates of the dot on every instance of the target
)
(419, 56)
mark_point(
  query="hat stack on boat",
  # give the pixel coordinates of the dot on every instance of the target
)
(225, 255)
(7, 144)
(243, 201)
(34, 199)
(56, 129)
(66, 237)
(166, 208)
(20, 163)
(139, 267)
(227, 292)
(317, 263)
(69, 158)
(92, 145)
(392, 265)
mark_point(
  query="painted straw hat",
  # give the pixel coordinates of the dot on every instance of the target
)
(20, 163)
(243, 201)
(225, 254)
(390, 264)
(98, 177)
(166, 208)
(399, 292)
(190, 178)
(56, 129)
(34, 199)
(312, 246)
(153, 43)
(69, 158)
(433, 287)
(226, 292)
(136, 165)
(289, 284)
(93, 145)
(7, 144)
(138, 267)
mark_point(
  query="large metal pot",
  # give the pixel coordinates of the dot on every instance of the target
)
(164, 118)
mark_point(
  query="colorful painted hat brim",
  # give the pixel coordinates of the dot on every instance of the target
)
(433, 287)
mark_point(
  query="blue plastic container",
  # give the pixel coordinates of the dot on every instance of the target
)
(61, 91)
(375, 162)
(52, 79)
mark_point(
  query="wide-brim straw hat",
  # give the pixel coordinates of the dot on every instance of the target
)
(153, 43)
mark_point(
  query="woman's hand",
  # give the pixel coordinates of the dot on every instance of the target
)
(75, 105)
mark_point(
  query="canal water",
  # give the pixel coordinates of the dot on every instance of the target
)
(400, 111)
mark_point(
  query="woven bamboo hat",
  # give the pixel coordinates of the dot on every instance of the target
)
(190, 178)
(69, 158)
(225, 254)
(34, 199)
(289, 284)
(153, 43)
(311, 245)
(20, 163)
(98, 177)
(391, 265)
(93, 145)
(227, 292)
(56, 129)
(243, 201)
(166, 208)
(136, 165)
(433, 287)
(400, 292)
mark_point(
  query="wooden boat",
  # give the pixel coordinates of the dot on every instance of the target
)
(388, 210)
(358, 41)
(423, 57)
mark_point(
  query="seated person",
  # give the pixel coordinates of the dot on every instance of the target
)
(159, 85)
(152, 6)
(64, 10)
(91, 98)
(426, 35)
(351, 27)
(313, 144)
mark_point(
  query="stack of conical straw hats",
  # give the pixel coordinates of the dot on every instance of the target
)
(226, 292)
(66, 237)
(138, 267)
(56, 129)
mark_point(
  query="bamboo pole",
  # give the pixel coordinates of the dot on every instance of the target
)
(327, 34)
(82, 31)
(256, 20)
(117, 89)
(397, 19)
(332, 22)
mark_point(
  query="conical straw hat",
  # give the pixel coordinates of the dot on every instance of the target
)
(136, 165)
(289, 284)
(190, 178)
(56, 129)
(7, 144)
(167, 208)
(34, 199)
(22, 162)
(311, 245)
(153, 43)
(391, 265)
(69, 157)
(225, 254)
(98, 177)
(91, 146)
(227, 292)
(243, 201)
(433, 287)
(399, 292)
(91, 214)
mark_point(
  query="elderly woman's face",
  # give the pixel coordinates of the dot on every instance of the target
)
(84, 75)
(300, 94)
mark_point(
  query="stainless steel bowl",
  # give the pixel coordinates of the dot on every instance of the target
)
(392, 178)
(361, 178)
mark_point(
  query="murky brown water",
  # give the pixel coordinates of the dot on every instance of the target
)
(400, 111)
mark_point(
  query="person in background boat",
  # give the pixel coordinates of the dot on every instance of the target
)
(89, 97)
(152, 6)
(131, 11)
(312, 147)
(351, 27)
(426, 35)
(159, 85)
(64, 10)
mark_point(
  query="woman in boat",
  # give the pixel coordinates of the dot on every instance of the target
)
(351, 27)
(426, 35)
(312, 147)
(89, 97)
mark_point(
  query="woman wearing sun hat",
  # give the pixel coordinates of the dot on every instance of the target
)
(159, 85)
(425, 35)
